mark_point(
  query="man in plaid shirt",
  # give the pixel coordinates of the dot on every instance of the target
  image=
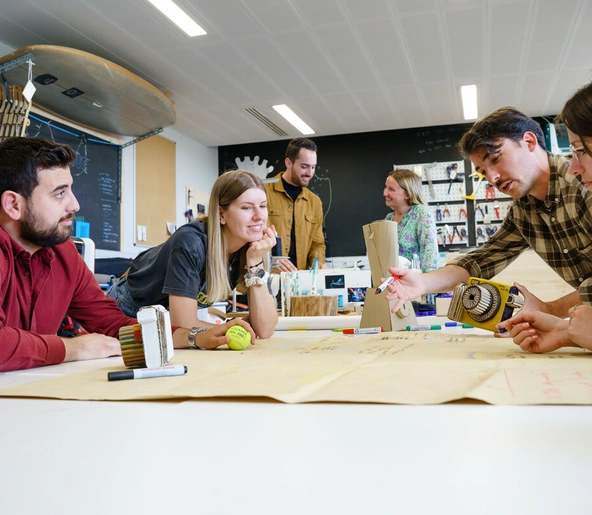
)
(551, 213)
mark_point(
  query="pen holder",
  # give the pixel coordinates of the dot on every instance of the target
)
(149, 343)
(132, 346)
(313, 305)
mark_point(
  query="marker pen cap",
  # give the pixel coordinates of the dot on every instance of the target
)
(120, 375)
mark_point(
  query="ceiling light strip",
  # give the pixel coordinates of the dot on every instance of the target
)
(179, 17)
(468, 95)
(293, 118)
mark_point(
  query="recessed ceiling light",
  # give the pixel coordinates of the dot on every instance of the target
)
(468, 94)
(174, 13)
(293, 118)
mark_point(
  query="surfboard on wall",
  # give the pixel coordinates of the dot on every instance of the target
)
(91, 91)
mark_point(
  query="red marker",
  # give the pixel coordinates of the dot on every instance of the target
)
(388, 281)
(364, 330)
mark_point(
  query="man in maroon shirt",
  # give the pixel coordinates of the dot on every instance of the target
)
(42, 276)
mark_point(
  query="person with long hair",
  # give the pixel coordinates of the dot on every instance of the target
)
(416, 231)
(203, 261)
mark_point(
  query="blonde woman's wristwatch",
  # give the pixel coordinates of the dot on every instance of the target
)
(257, 277)
(193, 332)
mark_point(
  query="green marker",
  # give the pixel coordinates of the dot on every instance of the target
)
(467, 326)
(424, 328)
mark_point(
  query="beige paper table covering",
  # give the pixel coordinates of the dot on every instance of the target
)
(398, 367)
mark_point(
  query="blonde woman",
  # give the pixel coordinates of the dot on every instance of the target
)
(416, 226)
(204, 260)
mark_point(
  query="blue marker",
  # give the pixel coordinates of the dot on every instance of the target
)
(453, 324)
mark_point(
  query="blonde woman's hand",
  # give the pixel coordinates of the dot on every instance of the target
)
(258, 249)
(216, 336)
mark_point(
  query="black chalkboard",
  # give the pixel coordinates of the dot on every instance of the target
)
(97, 179)
(351, 173)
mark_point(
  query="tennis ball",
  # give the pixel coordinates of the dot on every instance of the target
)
(240, 338)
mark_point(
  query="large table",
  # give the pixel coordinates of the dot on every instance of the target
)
(265, 457)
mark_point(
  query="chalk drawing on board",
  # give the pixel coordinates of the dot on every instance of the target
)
(253, 165)
(321, 186)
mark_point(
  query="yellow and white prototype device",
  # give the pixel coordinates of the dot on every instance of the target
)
(483, 303)
(149, 343)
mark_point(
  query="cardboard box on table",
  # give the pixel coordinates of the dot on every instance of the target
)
(382, 245)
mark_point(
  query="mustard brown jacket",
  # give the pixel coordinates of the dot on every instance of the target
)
(308, 219)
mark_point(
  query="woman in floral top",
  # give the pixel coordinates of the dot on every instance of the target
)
(416, 226)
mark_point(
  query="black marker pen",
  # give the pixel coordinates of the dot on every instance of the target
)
(145, 373)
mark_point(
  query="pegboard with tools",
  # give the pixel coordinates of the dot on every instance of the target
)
(490, 207)
(443, 186)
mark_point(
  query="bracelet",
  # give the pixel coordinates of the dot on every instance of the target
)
(254, 266)
(191, 338)
(259, 277)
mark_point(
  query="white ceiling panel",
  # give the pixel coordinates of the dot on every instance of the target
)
(509, 25)
(143, 23)
(237, 64)
(375, 105)
(580, 44)
(368, 9)
(276, 64)
(461, 3)
(319, 115)
(464, 30)
(348, 108)
(316, 66)
(383, 42)
(410, 106)
(535, 89)
(317, 14)
(571, 81)
(423, 38)
(273, 16)
(413, 6)
(552, 17)
(345, 66)
(238, 23)
(344, 48)
(16, 35)
(501, 92)
(210, 76)
(441, 102)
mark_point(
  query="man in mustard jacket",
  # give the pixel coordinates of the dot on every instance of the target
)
(295, 211)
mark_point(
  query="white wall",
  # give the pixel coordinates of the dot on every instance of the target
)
(197, 167)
